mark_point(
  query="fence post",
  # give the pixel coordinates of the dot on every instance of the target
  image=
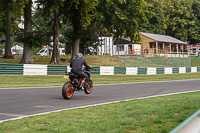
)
(184, 61)
(179, 60)
(145, 61)
(118, 55)
(175, 58)
(171, 61)
(125, 59)
(135, 60)
(140, 59)
(164, 59)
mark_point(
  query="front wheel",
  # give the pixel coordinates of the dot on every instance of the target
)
(89, 87)
(67, 90)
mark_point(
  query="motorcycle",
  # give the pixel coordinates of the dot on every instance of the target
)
(73, 85)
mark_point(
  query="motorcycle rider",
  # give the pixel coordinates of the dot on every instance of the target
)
(76, 67)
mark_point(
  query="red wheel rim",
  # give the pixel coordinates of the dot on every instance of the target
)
(70, 91)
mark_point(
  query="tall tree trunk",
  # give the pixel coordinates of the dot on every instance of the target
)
(75, 48)
(76, 39)
(27, 57)
(55, 55)
(8, 32)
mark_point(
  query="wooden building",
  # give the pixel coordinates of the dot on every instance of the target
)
(150, 44)
(161, 43)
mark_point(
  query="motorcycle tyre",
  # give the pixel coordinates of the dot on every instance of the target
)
(65, 89)
(88, 90)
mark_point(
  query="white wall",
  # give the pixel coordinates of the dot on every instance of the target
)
(106, 47)
(135, 47)
(115, 51)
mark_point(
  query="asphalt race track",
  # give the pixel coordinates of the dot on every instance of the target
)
(21, 102)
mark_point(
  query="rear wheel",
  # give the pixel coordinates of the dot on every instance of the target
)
(89, 87)
(68, 90)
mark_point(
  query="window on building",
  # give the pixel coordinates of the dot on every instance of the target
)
(120, 47)
(151, 45)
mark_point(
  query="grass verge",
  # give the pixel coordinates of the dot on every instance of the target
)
(93, 60)
(106, 60)
(157, 115)
(17, 81)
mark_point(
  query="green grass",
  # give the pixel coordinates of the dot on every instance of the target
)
(105, 60)
(157, 62)
(17, 81)
(195, 62)
(92, 60)
(151, 115)
(160, 114)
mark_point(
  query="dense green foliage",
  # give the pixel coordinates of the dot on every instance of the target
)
(81, 22)
(177, 18)
(2, 22)
(122, 18)
(16, 13)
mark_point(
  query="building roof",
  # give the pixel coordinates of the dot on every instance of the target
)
(163, 38)
(122, 41)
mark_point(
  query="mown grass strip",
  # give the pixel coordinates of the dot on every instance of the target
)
(17, 81)
(158, 114)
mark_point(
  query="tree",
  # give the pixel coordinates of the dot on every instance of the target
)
(122, 18)
(79, 14)
(8, 30)
(9, 24)
(156, 22)
(42, 28)
(116, 17)
(55, 7)
(194, 25)
(2, 20)
(55, 55)
(27, 57)
(89, 38)
(177, 18)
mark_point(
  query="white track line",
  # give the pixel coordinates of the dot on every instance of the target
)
(96, 105)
